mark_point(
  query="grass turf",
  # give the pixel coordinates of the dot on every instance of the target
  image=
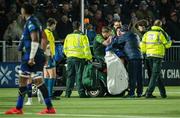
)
(104, 107)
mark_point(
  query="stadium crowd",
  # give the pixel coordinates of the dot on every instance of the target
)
(138, 14)
(100, 13)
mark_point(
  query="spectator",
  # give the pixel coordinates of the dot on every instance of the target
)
(165, 7)
(120, 15)
(173, 26)
(154, 7)
(109, 19)
(3, 21)
(4, 5)
(64, 27)
(34, 3)
(39, 11)
(98, 21)
(134, 18)
(143, 12)
(88, 14)
(19, 3)
(97, 1)
(110, 7)
(50, 11)
(91, 33)
(76, 10)
(177, 5)
(3, 25)
(20, 21)
(93, 8)
(116, 24)
(12, 33)
(127, 7)
(140, 27)
(117, 13)
(65, 10)
(12, 14)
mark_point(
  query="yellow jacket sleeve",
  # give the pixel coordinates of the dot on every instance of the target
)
(65, 46)
(165, 40)
(87, 50)
(143, 44)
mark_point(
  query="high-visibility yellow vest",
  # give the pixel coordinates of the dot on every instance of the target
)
(77, 45)
(51, 41)
(154, 42)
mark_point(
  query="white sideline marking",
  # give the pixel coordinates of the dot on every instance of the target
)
(88, 115)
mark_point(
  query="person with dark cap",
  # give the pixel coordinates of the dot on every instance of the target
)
(134, 57)
(153, 45)
(77, 51)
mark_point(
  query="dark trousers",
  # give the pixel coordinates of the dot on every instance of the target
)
(75, 67)
(155, 65)
(135, 76)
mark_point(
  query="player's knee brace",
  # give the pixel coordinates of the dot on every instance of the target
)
(22, 91)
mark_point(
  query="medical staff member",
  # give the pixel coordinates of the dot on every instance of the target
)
(77, 50)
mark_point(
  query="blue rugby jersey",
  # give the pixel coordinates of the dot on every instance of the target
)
(32, 24)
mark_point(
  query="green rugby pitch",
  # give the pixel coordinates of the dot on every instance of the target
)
(102, 107)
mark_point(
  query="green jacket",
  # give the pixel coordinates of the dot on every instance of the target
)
(98, 47)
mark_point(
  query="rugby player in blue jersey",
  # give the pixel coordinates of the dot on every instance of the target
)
(32, 63)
